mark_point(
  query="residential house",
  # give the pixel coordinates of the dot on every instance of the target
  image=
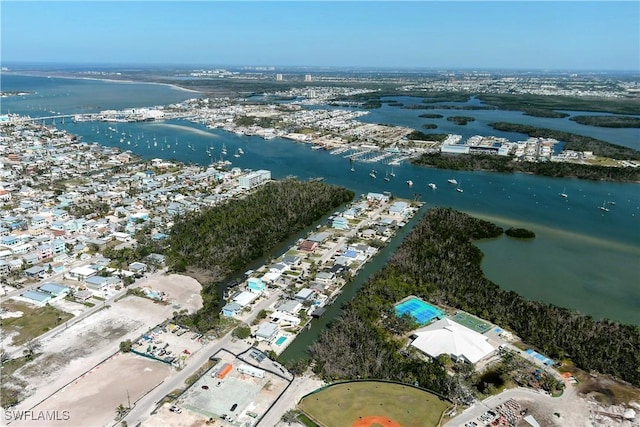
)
(44, 251)
(304, 294)
(267, 331)
(308, 246)
(256, 285)
(289, 306)
(35, 271)
(232, 309)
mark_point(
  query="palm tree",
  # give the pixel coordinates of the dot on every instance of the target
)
(121, 410)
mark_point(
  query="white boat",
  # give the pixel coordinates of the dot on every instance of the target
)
(452, 181)
(604, 207)
(432, 186)
(564, 192)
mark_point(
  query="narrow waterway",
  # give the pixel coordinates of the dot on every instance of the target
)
(298, 348)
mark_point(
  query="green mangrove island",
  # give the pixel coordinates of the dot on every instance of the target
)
(520, 233)
(608, 121)
(507, 164)
(460, 120)
(439, 263)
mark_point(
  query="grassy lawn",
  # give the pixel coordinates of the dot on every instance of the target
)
(344, 404)
(34, 322)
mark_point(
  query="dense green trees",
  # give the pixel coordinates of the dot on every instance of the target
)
(416, 135)
(608, 121)
(506, 164)
(220, 241)
(520, 233)
(438, 262)
(460, 120)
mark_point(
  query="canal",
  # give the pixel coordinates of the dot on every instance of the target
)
(297, 350)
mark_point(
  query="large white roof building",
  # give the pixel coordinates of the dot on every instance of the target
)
(448, 337)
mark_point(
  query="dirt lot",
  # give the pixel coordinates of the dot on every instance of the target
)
(91, 400)
(179, 290)
(75, 350)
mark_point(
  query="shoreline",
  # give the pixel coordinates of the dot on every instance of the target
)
(180, 88)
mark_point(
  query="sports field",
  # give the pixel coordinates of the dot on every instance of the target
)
(471, 322)
(373, 404)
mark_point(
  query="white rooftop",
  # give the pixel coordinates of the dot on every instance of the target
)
(245, 298)
(448, 337)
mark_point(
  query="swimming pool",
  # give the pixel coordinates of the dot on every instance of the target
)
(419, 310)
(280, 340)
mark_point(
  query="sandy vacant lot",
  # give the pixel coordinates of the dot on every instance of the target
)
(75, 350)
(180, 290)
(82, 346)
(91, 400)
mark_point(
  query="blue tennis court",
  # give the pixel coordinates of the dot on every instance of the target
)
(539, 357)
(419, 310)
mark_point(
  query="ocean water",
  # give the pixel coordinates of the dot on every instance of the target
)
(581, 258)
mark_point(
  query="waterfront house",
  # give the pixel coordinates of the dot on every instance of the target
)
(232, 309)
(267, 331)
(399, 209)
(291, 260)
(308, 246)
(255, 285)
(340, 223)
(325, 277)
(377, 197)
(289, 306)
(304, 294)
(284, 319)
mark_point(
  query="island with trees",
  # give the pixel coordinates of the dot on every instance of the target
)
(460, 120)
(507, 164)
(520, 233)
(608, 121)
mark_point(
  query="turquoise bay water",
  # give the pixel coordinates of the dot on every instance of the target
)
(582, 258)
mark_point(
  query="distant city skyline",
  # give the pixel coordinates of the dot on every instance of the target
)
(598, 35)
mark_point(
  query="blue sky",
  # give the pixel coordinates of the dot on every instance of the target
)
(547, 35)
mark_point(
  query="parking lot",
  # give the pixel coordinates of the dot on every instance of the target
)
(239, 396)
(171, 343)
